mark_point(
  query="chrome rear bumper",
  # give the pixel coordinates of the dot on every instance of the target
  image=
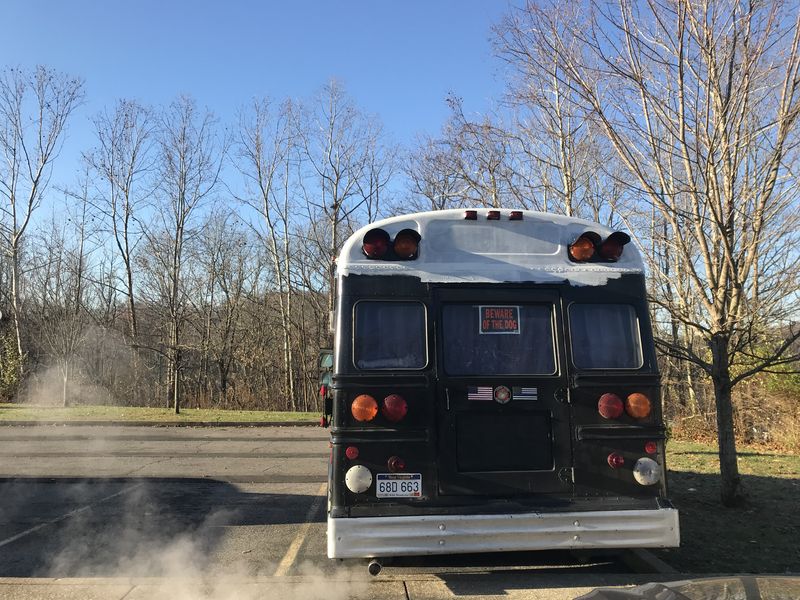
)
(365, 537)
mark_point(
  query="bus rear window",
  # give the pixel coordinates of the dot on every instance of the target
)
(389, 335)
(605, 336)
(498, 339)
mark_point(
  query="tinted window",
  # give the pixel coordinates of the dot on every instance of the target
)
(389, 335)
(520, 341)
(605, 336)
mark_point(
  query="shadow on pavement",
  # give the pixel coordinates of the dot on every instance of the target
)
(127, 526)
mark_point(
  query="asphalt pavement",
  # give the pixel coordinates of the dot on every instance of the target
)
(218, 513)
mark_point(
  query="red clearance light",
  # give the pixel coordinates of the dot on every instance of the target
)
(516, 215)
(394, 408)
(611, 248)
(351, 452)
(364, 408)
(610, 406)
(616, 460)
(406, 244)
(651, 447)
(638, 406)
(375, 243)
(493, 215)
(583, 248)
(395, 464)
(471, 215)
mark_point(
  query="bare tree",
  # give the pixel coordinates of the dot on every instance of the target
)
(336, 143)
(34, 109)
(122, 159)
(188, 169)
(432, 177)
(267, 149)
(700, 102)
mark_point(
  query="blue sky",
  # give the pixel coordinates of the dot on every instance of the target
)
(397, 59)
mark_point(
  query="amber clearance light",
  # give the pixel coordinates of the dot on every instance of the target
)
(406, 244)
(583, 248)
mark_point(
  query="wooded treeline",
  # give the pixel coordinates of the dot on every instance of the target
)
(193, 260)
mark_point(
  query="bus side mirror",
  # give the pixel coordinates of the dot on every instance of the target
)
(325, 380)
(326, 359)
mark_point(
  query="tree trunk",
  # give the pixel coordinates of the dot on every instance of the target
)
(728, 465)
(15, 305)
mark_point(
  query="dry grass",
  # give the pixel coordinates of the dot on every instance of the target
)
(45, 414)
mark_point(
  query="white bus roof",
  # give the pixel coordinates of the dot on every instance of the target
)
(453, 249)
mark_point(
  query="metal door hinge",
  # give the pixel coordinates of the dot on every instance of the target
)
(562, 395)
(567, 475)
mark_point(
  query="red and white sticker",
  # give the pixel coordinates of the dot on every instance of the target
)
(502, 394)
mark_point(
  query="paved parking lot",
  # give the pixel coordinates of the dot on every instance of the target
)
(150, 511)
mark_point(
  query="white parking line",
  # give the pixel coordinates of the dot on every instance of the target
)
(291, 554)
(63, 517)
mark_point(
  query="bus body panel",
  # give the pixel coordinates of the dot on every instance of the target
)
(511, 450)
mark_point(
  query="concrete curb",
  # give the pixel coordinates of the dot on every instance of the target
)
(159, 424)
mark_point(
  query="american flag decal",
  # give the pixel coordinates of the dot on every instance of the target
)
(526, 393)
(479, 393)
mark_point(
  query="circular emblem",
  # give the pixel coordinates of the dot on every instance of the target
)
(502, 394)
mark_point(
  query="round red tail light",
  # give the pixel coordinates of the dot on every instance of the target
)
(375, 243)
(638, 406)
(351, 452)
(651, 447)
(394, 408)
(611, 248)
(610, 406)
(616, 460)
(364, 408)
(406, 243)
(395, 464)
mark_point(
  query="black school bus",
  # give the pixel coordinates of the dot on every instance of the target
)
(494, 388)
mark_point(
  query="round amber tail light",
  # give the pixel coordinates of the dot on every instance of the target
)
(364, 408)
(638, 406)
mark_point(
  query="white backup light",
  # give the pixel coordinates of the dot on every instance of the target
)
(358, 479)
(646, 471)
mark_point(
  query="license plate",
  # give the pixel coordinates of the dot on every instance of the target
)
(398, 485)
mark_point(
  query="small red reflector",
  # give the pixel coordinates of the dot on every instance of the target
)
(615, 460)
(375, 243)
(351, 452)
(516, 215)
(493, 215)
(394, 407)
(471, 215)
(395, 464)
(610, 406)
(651, 447)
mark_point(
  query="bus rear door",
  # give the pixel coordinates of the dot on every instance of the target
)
(503, 419)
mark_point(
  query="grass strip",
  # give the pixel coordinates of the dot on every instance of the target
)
(759, 537)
